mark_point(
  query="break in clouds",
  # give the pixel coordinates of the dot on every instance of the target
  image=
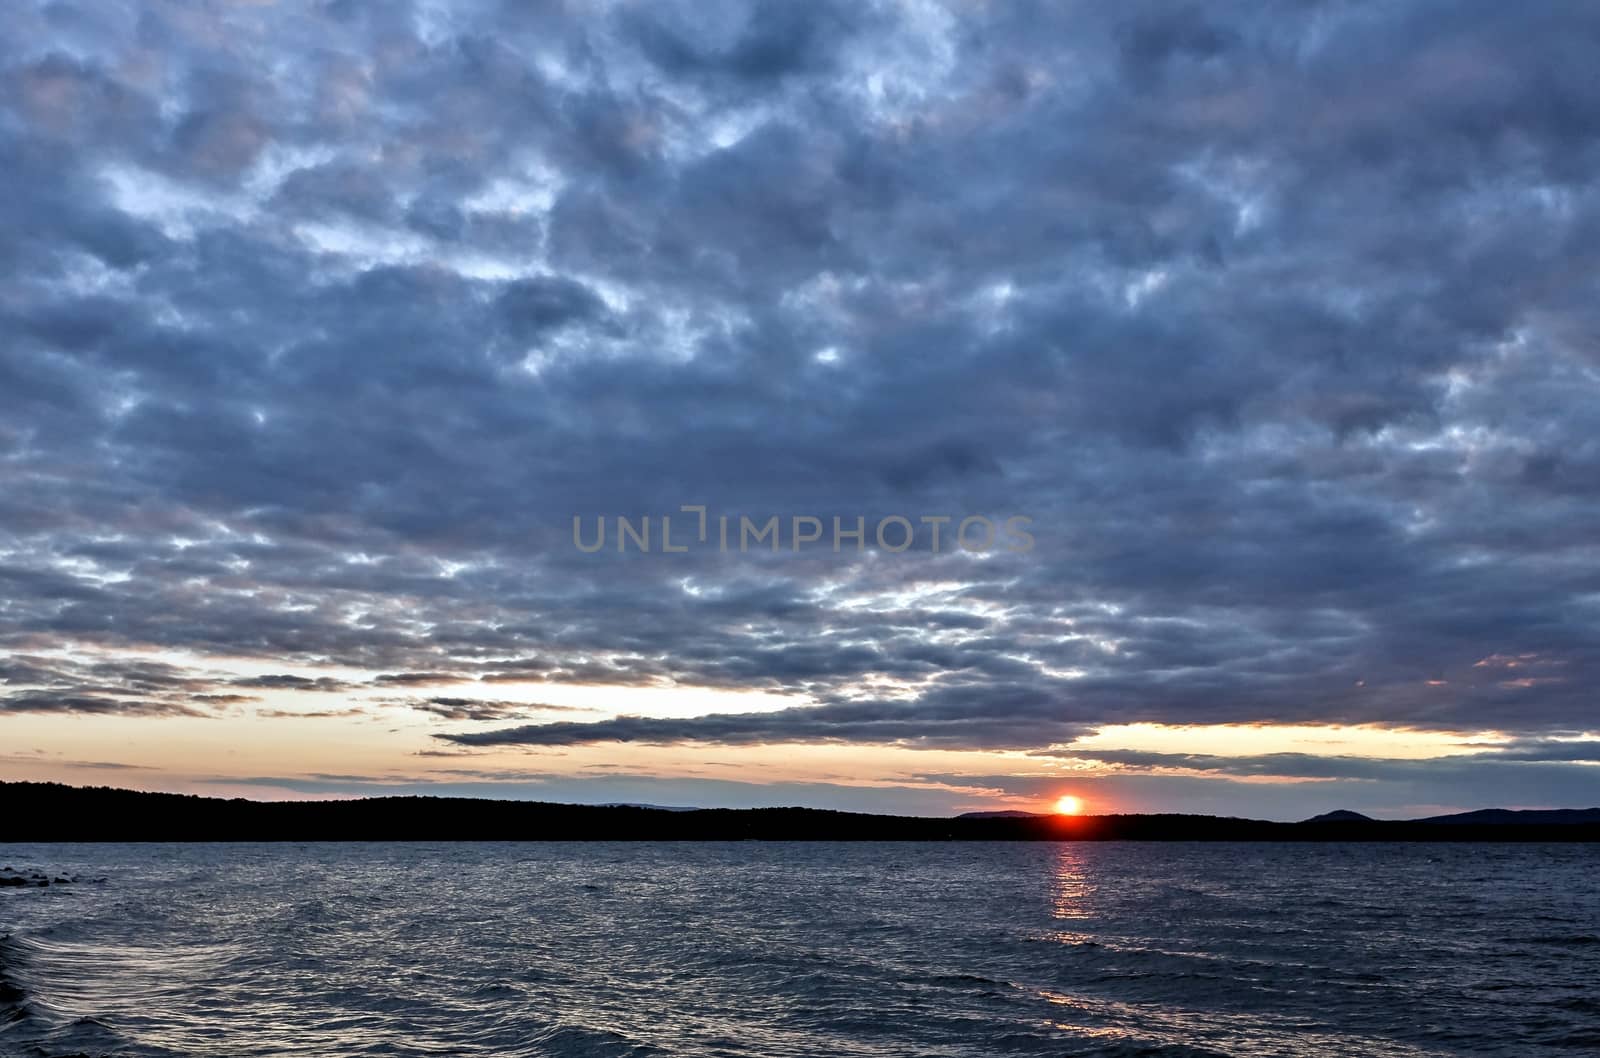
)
(323, 321)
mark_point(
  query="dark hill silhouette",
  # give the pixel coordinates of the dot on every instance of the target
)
(54, 812)
(1342, 815)
(1520, 817)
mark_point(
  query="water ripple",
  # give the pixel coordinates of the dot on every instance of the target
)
(775, 950)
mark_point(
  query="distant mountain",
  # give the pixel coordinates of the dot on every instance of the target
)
(1487, 817)
(999, 815)
(1505, 816)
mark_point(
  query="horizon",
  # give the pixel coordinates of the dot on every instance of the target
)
(1067, 816)
(1046, 811)
(894, 408)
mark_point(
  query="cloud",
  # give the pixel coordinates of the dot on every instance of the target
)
(285, 682)
(90, 704)
(319, 714)
(1274, 321)
(450, 708)
(763, 43)
(39, 757)
(410, 679)
(45, 684)
(949, 724)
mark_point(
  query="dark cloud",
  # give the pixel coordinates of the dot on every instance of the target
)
(748, 43)
(1018, 720)
(1275, 320)
(39, 757)
(89, 704)
(410, 679)
(284, 682)
(52, 684)
(531, 307)
(449, 708)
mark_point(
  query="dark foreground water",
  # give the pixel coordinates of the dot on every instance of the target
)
(812, 950)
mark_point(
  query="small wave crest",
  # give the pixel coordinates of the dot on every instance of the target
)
(13, 996)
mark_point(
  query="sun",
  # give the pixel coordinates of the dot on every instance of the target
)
(1068, 805)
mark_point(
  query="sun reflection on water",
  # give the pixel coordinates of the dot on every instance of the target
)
(1072, 888)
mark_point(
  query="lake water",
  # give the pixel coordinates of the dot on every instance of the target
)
(814, 950)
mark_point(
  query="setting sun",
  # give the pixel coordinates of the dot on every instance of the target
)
(1068, 805)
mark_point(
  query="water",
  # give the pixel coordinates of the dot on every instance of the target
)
(773, 950)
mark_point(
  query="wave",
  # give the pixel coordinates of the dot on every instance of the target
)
(13, 993)
(1575, 940)
(31, 1024)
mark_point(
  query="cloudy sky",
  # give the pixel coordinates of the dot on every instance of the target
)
(1277, 322)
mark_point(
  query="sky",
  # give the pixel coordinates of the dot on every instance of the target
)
(1250, 350)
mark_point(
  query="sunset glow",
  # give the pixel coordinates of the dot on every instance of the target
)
(1068, 805)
